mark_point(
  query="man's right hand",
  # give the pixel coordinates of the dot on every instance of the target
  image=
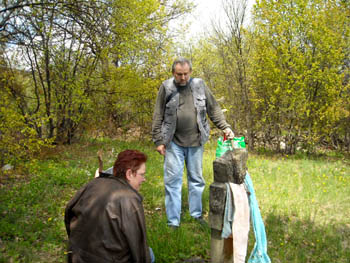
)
(161, 149)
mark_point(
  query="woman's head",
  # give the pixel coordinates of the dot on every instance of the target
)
(130, 166)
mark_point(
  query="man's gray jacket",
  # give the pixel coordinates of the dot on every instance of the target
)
(165, 114)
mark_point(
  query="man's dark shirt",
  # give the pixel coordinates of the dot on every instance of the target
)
(187, 132)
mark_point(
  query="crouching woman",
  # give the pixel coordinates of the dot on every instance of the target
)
(105, 220)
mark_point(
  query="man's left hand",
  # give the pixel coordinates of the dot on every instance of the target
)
(229, 134)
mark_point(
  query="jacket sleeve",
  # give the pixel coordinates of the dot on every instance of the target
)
(69, 214)
(214, 111)
(134, 228)
(158, 117)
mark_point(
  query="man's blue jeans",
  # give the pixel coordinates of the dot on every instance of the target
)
(175, 158)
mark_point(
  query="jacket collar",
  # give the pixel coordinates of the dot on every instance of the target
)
(124, 182)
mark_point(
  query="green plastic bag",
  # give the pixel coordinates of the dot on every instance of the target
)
(238, 142)
(223, 146)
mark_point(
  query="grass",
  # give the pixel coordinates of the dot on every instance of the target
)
(305, 204)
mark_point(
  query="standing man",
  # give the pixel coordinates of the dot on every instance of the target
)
(105, 220)
(180, 129)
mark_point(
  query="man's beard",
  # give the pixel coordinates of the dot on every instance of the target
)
(181, 84)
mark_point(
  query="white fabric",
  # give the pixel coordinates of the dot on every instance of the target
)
(241, 223)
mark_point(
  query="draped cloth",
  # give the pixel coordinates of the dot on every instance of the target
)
(240, 224)
(259, 253)
(228, 214)
(237, 215)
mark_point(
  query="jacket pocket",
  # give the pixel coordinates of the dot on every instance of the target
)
(201, 101)
(170, 108)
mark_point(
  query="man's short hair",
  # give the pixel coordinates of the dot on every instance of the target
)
(181, 61)
(128, 159)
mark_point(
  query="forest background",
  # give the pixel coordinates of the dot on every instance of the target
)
(71, 69)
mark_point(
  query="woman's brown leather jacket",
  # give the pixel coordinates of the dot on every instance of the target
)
(105, 223)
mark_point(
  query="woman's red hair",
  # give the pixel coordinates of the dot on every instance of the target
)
(128, 159)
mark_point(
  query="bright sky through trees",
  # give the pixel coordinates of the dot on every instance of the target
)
(205, 12)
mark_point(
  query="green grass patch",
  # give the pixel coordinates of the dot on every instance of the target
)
(305, 204)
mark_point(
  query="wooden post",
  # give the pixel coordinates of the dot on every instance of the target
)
(229, 168)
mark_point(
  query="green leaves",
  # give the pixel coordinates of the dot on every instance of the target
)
(299, 50)
(85, 60)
